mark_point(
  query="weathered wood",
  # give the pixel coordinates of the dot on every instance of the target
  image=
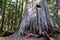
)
(37, 18)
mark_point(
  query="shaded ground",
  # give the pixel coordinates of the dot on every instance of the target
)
(30, 38)
(18, 38)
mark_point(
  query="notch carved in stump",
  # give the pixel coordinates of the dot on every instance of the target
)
(38, 6)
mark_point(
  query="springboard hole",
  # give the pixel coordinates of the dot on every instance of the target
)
(38, 6)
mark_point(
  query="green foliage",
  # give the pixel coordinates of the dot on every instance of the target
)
(50, 6)
(13, 12)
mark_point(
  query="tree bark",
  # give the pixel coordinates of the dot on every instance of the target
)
(36, 19)
(55, 11)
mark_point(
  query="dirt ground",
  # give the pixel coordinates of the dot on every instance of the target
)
(18, 38)
(30, 38)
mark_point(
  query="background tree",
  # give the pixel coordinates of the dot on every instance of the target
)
(55, 11)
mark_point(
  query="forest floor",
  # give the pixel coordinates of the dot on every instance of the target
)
(24, 38)
(29, 38)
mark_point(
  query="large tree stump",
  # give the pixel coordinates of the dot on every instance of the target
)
(37, 19)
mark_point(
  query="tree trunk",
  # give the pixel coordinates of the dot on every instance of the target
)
(3, 12)
(55, 11)
(36, 19)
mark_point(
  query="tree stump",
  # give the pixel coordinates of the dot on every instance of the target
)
(37, 19)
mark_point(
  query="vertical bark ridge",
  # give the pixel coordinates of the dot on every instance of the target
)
(36, 18)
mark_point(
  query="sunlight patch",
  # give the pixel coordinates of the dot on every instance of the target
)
(59, 12)
(13, 0)
(0, 17)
